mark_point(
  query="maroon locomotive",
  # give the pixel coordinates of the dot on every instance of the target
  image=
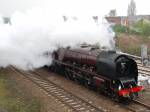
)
(115, 74)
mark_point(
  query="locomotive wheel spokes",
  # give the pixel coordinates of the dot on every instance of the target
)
(71, 76)
(53, 68)
(87, 83)
(77, 79)
(67, 75)
(115, 97)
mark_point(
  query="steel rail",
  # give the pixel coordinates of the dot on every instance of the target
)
(60, 93)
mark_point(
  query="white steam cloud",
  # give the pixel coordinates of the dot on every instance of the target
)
(37, 31)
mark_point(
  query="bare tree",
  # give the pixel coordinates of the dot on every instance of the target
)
(132, 8)
(113, 13)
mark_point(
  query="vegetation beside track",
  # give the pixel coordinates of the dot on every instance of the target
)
(131, 43)
(130, 38)
(14, 99)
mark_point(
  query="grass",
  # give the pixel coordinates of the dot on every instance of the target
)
(14, 99)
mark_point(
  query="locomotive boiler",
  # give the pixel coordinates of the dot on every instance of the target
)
(112, 73)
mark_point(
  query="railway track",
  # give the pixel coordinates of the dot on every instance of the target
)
(143, 72)
(137, 106)
(141, 107)
(74, 103)
(143, 104)
(141, 68)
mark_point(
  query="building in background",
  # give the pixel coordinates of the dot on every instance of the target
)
(114, 20)
(126, 20)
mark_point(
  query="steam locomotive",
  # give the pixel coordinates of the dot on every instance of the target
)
(112, 73)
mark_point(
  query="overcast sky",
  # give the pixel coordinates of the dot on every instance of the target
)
(74, 7)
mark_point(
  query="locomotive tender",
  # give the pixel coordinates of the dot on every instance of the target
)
(112, 73)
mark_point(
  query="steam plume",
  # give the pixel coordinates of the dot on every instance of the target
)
(37, 31)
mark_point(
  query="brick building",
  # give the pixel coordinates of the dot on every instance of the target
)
(126, 20)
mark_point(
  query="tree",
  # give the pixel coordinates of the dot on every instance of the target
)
(132, 8)
(119, 29)
(113, 13)
(142, 27)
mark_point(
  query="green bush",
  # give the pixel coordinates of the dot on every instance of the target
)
(142, 27)
(119, 29)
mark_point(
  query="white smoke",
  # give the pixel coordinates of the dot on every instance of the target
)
(37, 31)
(1, 20)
